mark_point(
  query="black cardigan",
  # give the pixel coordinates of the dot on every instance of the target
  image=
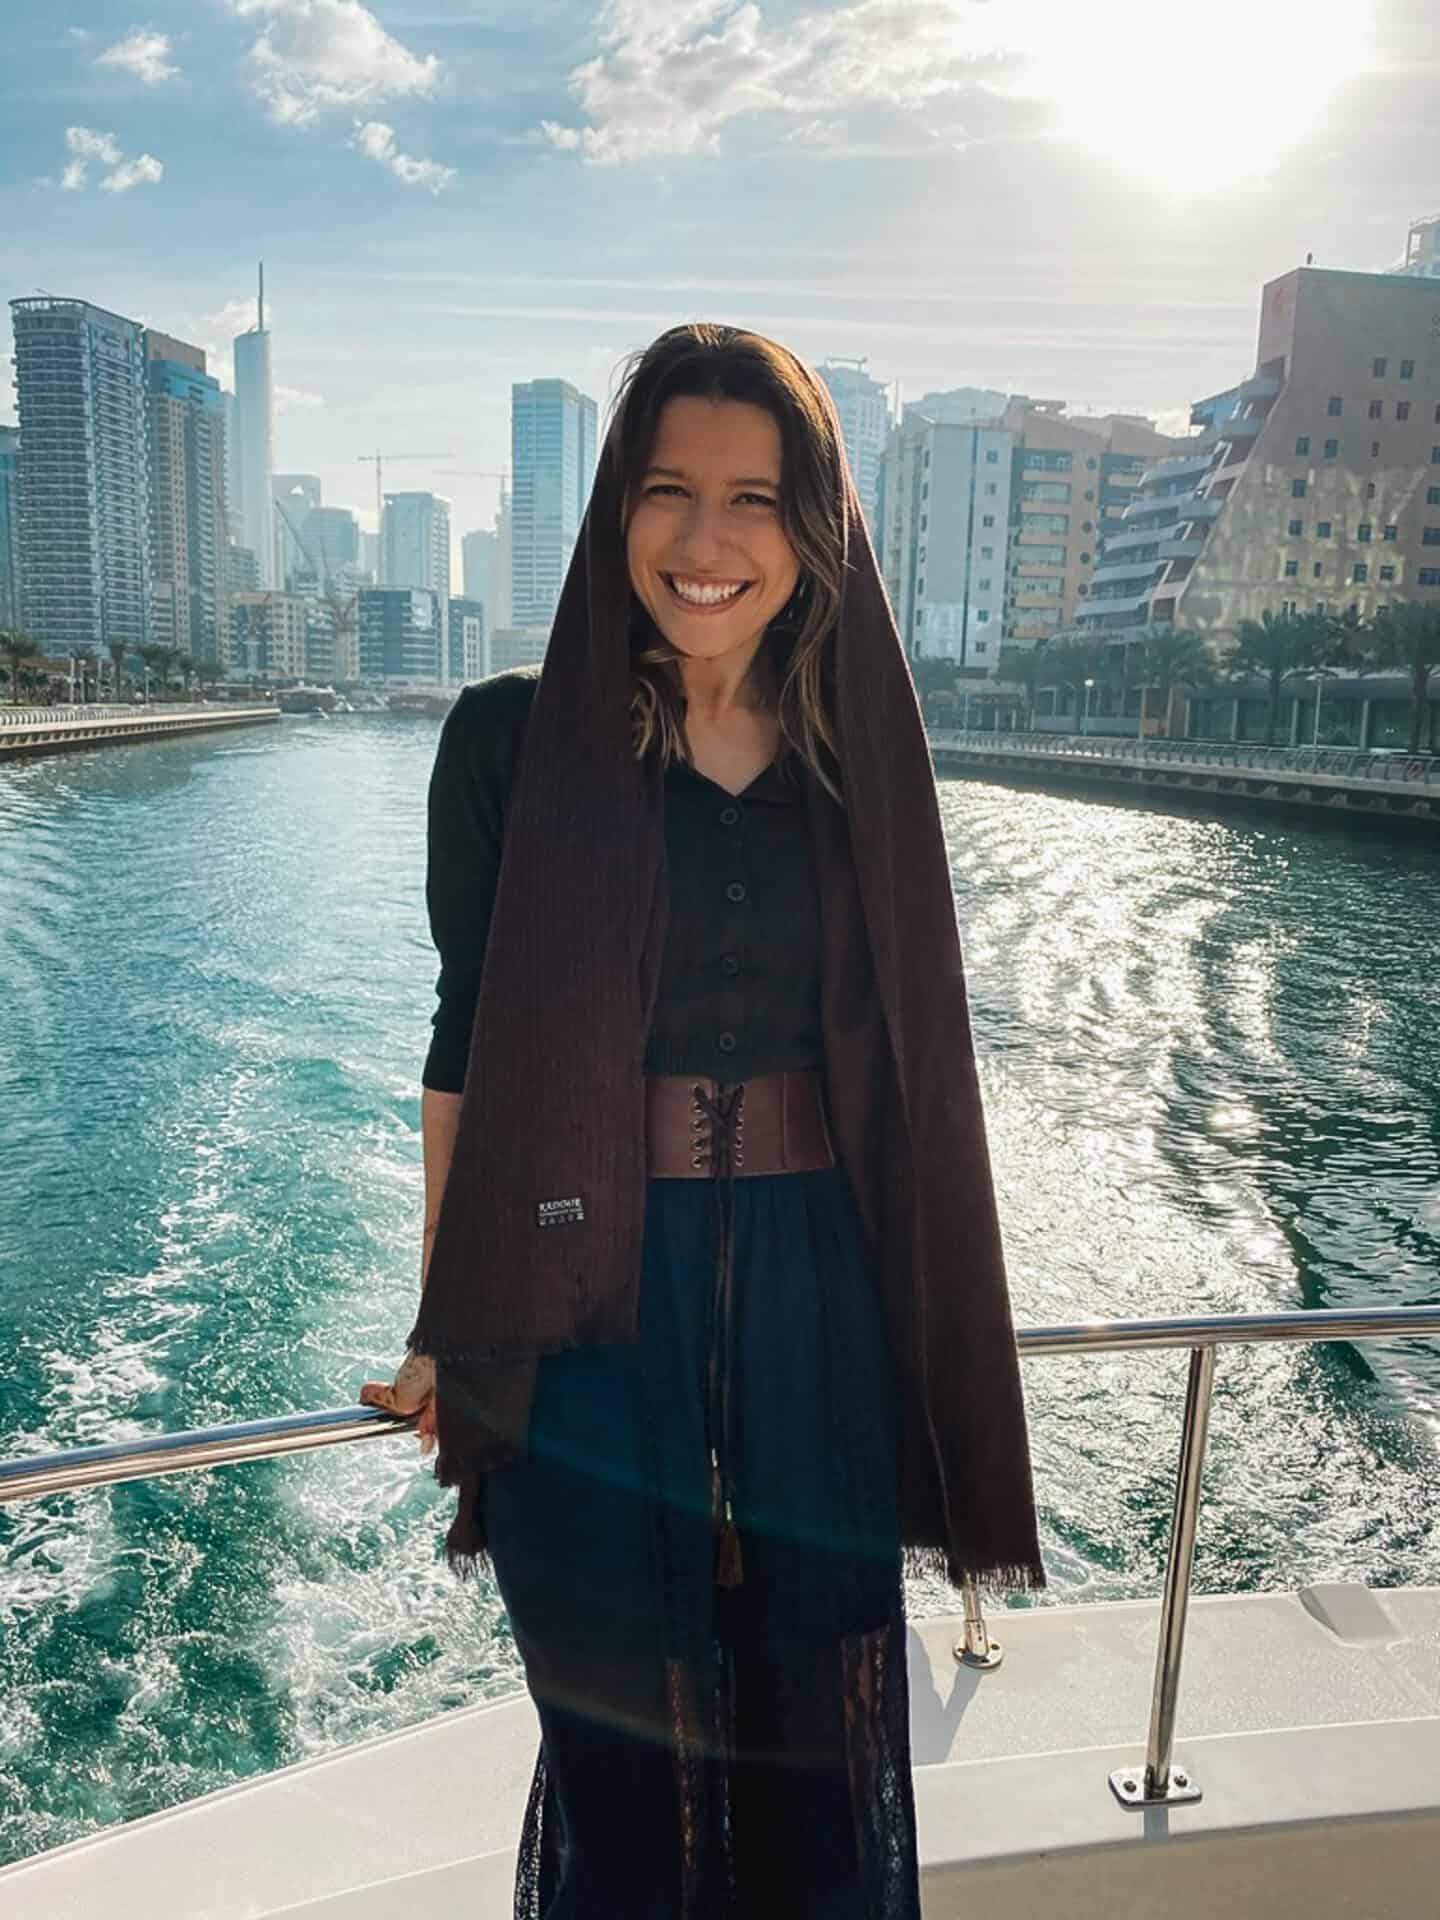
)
(739, 991)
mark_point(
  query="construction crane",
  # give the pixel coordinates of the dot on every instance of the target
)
(344, 608)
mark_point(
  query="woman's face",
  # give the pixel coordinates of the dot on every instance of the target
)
(707, 553)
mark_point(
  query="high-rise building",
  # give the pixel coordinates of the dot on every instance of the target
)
(945, 495)
(477, 555)
(10, 613)
(467, 640)
(499, 607)
(1313, 484)
(553, 439)
(864, 409)
(294, 495)
(332, 536)
(415, 551)
(255, 442)
(84, 475)
(187, 498)
(400, 636)
(991, 525)
(1071, 477)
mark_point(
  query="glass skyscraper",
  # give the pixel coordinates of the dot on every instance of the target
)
(553, 429)
(84, 475)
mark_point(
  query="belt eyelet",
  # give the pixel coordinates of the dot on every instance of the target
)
(696, 1160)
(739, 1159)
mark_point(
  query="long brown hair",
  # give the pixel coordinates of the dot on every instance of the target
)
(712, 362)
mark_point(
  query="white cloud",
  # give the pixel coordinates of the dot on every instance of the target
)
(85, 144)
(319, 56)
(141, 172)
(377, 141)
(142, 53)
(672, 75)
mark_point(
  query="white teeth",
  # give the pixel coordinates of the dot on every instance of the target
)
(706, 596)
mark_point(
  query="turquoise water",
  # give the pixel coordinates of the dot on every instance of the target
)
(1210, 1051)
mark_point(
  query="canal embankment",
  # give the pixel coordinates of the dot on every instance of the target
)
(25, 731)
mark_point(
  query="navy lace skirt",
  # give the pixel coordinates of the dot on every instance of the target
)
(713, 1752)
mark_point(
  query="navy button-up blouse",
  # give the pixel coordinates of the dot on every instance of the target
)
(739, 990)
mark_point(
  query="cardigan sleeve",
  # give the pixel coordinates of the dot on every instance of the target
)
(468, 796)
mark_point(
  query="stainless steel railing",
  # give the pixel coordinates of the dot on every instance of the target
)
(1158, 1782)
(1348, 763)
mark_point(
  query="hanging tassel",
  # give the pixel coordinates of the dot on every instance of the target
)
(729, 1569)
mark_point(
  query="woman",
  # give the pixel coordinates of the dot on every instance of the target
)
(714, 1332)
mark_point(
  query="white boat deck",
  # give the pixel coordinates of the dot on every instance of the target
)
(1310, 1721)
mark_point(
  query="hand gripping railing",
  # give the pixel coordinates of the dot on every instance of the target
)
(1156, 1784)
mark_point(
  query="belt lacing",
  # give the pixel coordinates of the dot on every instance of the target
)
(727, 1145)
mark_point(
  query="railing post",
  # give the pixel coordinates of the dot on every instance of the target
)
(976, 1649)
(1158, 1786)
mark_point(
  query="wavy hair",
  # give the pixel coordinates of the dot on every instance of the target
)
(710, 362)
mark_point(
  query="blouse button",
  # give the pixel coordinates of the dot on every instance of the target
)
(735, 890)
(726, 1042)
(729, 963)
(728, 816)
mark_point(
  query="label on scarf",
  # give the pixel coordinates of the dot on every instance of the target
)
(559, 1213)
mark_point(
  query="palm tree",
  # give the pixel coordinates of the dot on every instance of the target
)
(155, 657)
(1169, 657)
(1026, 668)
(1280, 643)
(1274, 645)
(118, 650)
(17, 646)
(1076, 658)
(1407, 635)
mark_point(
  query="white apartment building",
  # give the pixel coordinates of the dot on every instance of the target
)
(945, 511)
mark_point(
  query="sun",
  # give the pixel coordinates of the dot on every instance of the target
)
(1195, 97)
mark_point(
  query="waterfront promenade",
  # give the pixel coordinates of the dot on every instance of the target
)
(33, 730)
(1392, 789)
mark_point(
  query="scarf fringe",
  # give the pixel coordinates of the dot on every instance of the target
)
(928, 1562)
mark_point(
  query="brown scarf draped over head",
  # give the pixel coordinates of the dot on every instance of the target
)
(553, 1102)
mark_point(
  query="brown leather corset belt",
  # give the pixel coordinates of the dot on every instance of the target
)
(774, 1123)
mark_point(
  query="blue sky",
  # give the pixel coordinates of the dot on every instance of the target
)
(449, 195)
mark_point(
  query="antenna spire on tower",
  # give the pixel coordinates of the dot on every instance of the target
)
(261, 327)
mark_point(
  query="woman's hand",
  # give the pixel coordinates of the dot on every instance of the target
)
(411, 1391)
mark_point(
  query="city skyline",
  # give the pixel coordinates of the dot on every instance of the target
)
(462, 207)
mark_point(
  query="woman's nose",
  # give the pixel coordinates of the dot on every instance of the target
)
(700, 536)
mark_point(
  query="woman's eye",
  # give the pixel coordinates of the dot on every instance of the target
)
(663, 486)
(759, 499)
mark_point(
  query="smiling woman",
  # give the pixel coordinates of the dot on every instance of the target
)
(704, 537)
(1194, 112)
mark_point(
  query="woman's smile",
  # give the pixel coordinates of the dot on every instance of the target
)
(698, 595)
